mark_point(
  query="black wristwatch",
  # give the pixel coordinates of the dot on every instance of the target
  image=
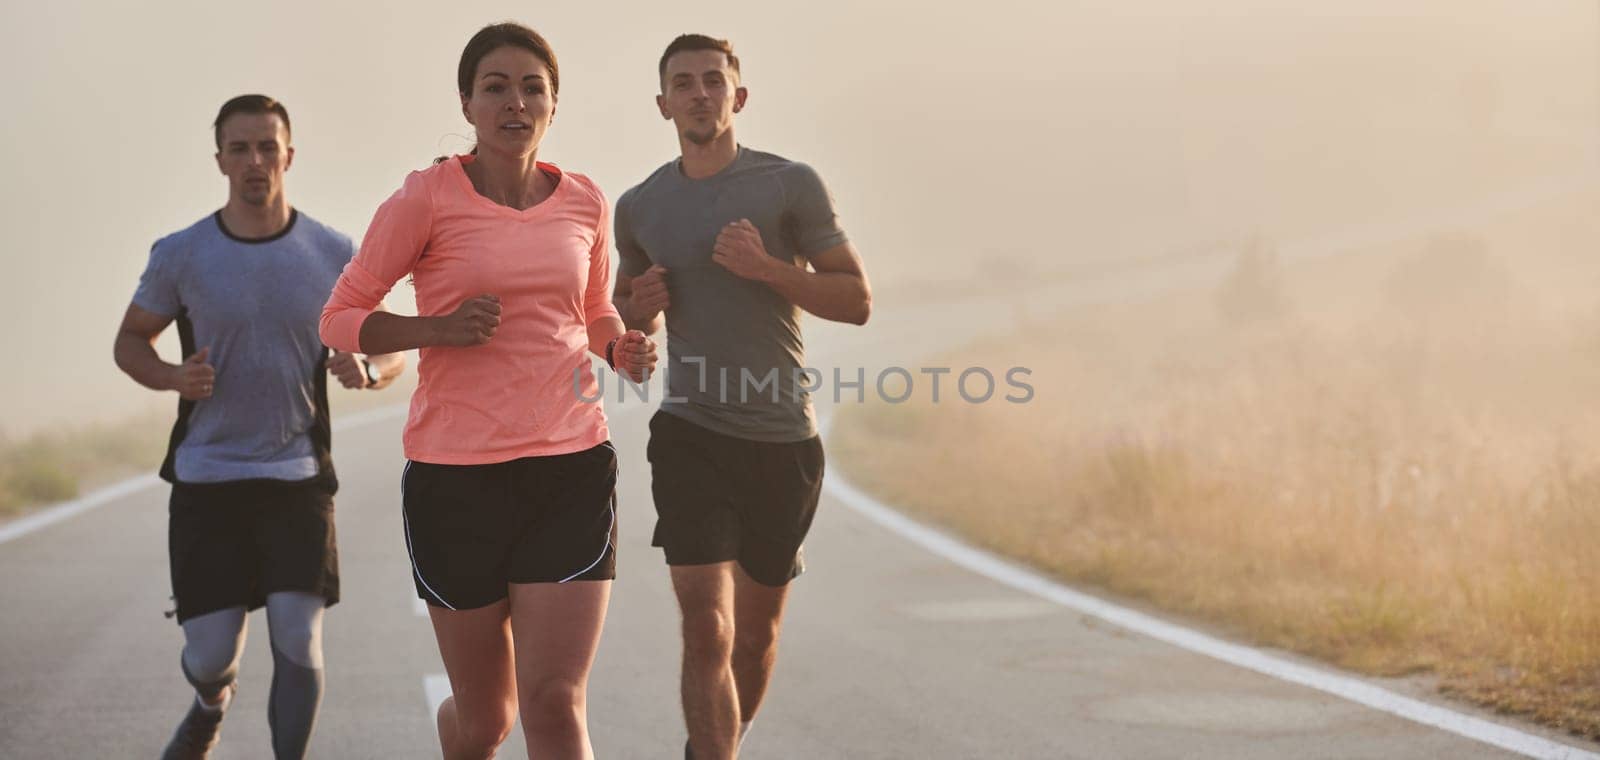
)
(371, 371)
(611, 353)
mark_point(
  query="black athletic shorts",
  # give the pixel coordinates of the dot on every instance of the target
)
(473, 529)
(231, 544)
(720, 498)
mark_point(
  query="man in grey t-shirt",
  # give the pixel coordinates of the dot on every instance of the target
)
(732, 244)
(251, 515)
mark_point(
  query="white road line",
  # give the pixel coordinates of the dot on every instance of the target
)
(101, 497)
(95, 500)
(1353, 689)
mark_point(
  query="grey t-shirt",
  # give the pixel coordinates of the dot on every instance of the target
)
(255, 304)
(734, 349)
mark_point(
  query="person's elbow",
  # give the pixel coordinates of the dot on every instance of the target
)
(333, 328)
(863, 309)
(118, 353)
(325, 329)
(861, 316)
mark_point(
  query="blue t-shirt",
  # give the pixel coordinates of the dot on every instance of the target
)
(255, 304)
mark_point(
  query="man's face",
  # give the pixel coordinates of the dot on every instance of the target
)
(700, 93)
(254, 156)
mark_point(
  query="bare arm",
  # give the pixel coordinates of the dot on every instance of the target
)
(601, 331)
(473, 323)
(634, 354)
(390, 366)
(641, 300)
(837, 291)
(135, 354)
(351, 370)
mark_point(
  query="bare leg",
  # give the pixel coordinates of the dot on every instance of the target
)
(758, 616)
(476, 647)
(556, 630)
(710, 698)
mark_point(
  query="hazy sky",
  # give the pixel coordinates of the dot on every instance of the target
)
(973, 138)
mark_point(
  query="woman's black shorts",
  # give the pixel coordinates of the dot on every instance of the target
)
(473, 529)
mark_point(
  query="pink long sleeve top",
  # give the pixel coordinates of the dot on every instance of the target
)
(550, 265)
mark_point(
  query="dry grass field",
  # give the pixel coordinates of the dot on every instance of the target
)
(52, 465)
(1400, 479)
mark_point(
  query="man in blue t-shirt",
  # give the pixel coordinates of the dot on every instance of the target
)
(251, 513)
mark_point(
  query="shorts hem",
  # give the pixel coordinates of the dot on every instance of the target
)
(187, 613)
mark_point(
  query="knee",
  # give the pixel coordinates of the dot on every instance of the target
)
(755, 640)
(552, 705)
(210, 668)
(301, 644)
(708, 635)
(294, 621)
(480, 732)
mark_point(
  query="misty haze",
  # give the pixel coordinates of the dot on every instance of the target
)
(1306, 293)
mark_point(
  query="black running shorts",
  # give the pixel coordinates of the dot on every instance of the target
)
(231, 544)
(720, 498)
(473, 529)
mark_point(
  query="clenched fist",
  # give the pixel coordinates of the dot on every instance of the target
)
(739, 250)
(649, 296)
(473, 323)
(634, 356)
(348, 369)
(194, 379)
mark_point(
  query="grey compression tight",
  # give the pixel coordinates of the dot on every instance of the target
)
(214, 641)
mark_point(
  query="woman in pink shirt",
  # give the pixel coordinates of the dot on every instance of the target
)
(508, 492)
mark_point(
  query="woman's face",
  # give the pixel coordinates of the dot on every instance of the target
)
(511, 102)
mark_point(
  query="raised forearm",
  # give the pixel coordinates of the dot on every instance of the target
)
(136, 356)
(649, 325)
(601, 331)
(834, 296)
(386, 333)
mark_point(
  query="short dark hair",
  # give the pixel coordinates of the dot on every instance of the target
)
(496, 36)
(686, 42)
(249, 104)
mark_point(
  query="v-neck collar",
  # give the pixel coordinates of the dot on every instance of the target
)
(457, 166)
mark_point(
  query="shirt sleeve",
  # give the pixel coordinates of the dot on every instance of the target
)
(634, 259)
(158, 286)
(393, 243)
(810, 216)
(597, 296)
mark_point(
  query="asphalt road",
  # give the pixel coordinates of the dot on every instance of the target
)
(890, 651)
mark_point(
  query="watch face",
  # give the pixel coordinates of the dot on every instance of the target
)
(373, 376)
